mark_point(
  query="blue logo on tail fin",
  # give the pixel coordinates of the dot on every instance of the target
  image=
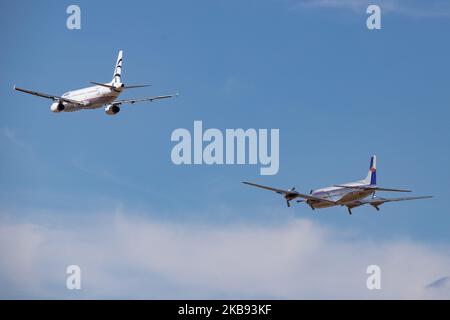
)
(373, 170)
(373, 177)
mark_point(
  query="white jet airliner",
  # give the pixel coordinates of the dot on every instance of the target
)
(351, 195)
(94, 97)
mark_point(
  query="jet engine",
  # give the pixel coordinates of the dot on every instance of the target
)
(112, 109)
(57, 106)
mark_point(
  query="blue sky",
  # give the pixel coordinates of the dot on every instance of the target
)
(337, 91)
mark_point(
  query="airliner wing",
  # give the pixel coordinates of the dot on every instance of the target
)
(374, 188)
(290, 193)
(149, 99)
(379, 201)
(48, 96)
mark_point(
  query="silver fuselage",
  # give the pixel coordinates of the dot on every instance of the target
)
(340, 195)
(92, 98)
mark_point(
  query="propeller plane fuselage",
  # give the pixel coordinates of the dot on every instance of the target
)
(351, 195)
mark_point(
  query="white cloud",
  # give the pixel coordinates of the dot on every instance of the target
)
(439, 288)
(126, 256)
(414, 8)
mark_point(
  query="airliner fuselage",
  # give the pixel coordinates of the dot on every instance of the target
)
(102, 94)
(91, 98)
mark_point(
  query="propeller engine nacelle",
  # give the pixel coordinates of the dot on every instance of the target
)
(112, 109)
(57, 106)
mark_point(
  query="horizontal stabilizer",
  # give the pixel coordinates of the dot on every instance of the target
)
(103, 85)
(106, 85)
(138, 86)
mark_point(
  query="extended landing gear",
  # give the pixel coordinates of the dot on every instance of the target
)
(349, 211)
